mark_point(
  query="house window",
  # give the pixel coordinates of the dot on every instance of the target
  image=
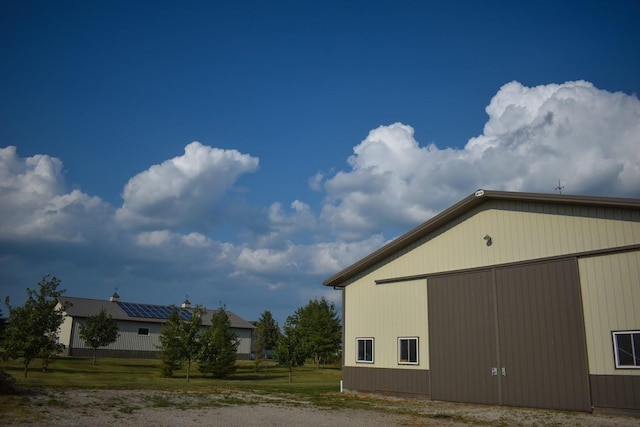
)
(408, 351)
(143, 331)
(365, 350)
(627, 349)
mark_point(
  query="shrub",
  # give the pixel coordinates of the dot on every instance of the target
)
(7, 383)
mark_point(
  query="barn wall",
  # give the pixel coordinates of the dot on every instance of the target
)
(611, 298)
(385, 313)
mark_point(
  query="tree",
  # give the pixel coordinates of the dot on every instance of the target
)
(321, 330)
(100, 331)
(3, 325)
(180, 340)
(291, 351)
(219, 346)
(169, 344)
(32, 331)
(265, 337)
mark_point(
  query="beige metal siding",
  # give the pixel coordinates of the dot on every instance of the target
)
(128, 338)
(519, 231)
(611, 297)
(244, 339)
(386, 312)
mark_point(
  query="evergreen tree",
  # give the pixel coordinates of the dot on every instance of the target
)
(180, 341)
(219, 347)
(320, 328)
(169, 344)
(100, 331)
(32, 331)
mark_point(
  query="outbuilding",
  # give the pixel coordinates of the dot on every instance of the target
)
(505, 298)
(139, 327)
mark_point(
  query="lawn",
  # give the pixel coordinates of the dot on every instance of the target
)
(144, 374)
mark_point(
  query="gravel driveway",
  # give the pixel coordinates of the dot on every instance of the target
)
(157, 408)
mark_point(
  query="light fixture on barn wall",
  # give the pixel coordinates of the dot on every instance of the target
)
(488, 239)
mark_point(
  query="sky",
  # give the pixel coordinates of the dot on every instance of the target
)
(239, 153)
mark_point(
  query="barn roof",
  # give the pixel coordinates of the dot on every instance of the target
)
(479, 197)
(149, 313)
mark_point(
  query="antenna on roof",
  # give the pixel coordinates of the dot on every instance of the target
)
(559, 187)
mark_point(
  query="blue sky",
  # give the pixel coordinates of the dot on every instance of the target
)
(242, 152)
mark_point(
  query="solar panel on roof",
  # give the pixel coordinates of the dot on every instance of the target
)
(150, 311)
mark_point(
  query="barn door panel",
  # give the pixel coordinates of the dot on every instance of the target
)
(462, 338)
(541, 335)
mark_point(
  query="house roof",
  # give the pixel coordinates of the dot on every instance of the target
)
(479, 197)
(86, 307)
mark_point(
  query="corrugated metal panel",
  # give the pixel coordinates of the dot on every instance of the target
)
(519, 232)
(616, 391)
(386, 312)
(401, 381)
(542, 343)
(128, 338)
(463, 338)
(611, 297)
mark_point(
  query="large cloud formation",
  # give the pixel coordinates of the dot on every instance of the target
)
(36, 205)
(183, 191)
(573, 132)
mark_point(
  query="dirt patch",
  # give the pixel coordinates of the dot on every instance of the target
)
(233, 408)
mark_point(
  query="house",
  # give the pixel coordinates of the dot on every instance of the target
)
(139, 325)
(505, 298)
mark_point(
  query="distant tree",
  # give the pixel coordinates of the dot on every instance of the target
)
(291, 350)
(180, 340)
(265, 337)
(219, 347)
(170, 345)
(32, 331)
(3, 325)
(100, 331)
(320, 328)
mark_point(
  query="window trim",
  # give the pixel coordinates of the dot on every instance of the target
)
(140, 332)
(408, 361)
(365, 339)
(636, 351)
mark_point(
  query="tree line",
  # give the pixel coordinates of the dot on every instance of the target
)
(312, 333)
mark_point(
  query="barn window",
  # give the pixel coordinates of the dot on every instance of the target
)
(365, 350)
(143, 331)
(627, 349)
(408, 351)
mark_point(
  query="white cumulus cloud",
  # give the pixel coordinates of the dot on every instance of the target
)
(183, 191)
(586, 137)
(35, 203)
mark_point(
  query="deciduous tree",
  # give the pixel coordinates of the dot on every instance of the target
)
(320, 328)
(265, 337)
(99, 331)
(291, 351)
(32, 331)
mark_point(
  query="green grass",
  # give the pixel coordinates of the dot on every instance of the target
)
(144, 374)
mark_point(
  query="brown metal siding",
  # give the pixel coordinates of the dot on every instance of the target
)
(616, 391)
(525, 319)
(384, 380)
(542, 340)
(462, 338)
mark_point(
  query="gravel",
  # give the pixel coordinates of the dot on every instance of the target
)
(233, 408)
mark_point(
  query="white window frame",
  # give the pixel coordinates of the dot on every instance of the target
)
(144, 329)
(408, 361)
(364, 339)
(634, 349)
